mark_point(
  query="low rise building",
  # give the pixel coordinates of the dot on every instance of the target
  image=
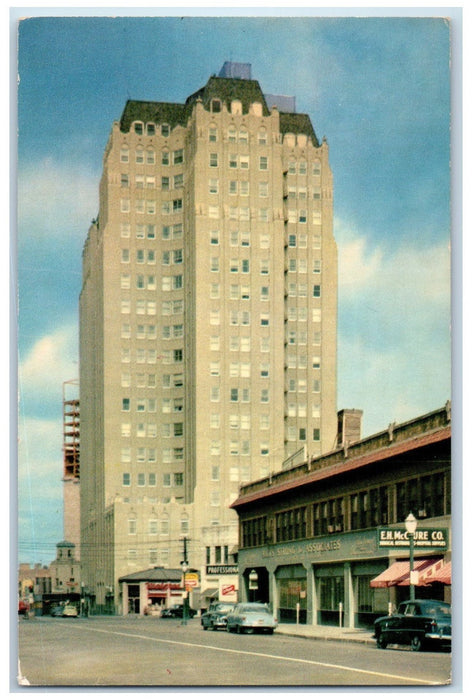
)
(325, 542)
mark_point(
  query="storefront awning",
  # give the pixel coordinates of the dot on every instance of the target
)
(439, 572)
(398, 573)
(210, 593)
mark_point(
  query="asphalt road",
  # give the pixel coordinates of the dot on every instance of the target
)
(134, 652)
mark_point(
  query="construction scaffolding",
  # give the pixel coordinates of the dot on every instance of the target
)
(71, 430)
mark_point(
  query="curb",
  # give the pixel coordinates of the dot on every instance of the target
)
(327, 637)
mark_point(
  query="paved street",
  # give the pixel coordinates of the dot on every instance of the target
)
(101, 651)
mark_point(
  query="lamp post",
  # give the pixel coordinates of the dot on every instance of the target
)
(184, 606)
(410, 525)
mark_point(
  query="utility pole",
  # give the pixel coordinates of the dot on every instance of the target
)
(184, 564)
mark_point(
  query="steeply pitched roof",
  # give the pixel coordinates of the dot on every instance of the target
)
(224, 89)
(229, 89)
(170, 113)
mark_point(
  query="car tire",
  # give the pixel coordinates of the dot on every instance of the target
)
(381, 642)
(416, 643)
(250, 630)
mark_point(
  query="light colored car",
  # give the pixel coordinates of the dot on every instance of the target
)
(69, 611)
(251, 617)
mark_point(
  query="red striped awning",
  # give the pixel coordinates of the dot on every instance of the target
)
(440, 572)
(398, 573)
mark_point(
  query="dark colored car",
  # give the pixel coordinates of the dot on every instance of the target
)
(215, 617)
(178, 611)
(419, 623)
(56, 611)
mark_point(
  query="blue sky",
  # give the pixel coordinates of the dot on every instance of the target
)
(378, 89)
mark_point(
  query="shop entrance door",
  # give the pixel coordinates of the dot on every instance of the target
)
(331, 598)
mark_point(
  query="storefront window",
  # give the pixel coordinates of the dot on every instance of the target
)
(292, 595)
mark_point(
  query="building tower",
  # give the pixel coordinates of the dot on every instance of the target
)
(207, 324)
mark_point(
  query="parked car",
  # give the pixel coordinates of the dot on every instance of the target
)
(23, 607)
(215, 618)
(69, 611)
(419, 623)
(178, 611)
(56, 610)
(249, 617)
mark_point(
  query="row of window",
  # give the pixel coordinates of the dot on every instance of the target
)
(141, 182)
(368, 508)
(237, 238)
(150, 479)
(148, 156)
(143, 379)
(154, 556)
(148, 206)
(149, 430)
(156, 527)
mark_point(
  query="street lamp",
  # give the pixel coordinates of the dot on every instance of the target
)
(184, 606)
(410, 525)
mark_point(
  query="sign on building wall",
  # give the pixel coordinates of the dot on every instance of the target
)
(219, 569)
(432, 538)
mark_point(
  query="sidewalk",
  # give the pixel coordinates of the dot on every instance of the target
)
(339, 634)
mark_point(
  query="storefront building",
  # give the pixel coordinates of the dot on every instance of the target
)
(314, 539)
(147, 592)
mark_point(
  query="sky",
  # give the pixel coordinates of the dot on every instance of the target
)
(378, 88)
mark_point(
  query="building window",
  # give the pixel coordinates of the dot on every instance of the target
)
(178, 156)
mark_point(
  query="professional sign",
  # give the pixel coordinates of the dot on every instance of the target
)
(219, 569)
(427, 537)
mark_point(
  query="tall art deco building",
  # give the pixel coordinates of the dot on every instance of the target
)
(207, 324)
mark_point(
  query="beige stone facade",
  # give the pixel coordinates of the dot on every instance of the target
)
(207, 325)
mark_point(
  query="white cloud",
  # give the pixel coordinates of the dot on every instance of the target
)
(54, 195)
(51, 361)
(40, 457)
(411, 272)
(394, 338)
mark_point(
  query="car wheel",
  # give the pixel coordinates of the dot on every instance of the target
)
(250, 630)
(416, 643)
(381, 642)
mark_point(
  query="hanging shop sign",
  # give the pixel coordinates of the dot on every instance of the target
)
(427, 537)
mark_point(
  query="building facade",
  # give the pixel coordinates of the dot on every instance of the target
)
(326, 541)
(208, 317)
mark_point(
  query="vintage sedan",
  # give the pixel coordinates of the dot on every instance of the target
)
(419, 623)
(251, 617)
(215, 618)
(70, 611)
(178, 611)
